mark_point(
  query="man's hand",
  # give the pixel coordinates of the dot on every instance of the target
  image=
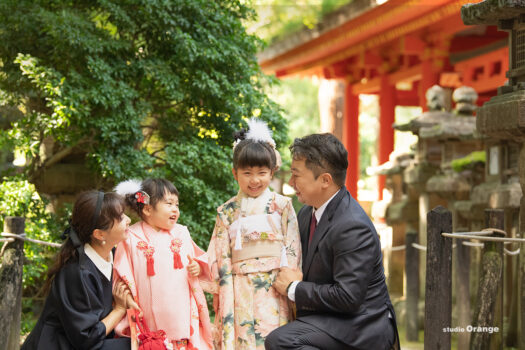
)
(286, 276)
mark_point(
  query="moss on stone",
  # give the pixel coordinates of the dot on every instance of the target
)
(468, 161)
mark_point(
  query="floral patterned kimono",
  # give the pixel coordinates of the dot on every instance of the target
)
(153, 264)
(252, 238)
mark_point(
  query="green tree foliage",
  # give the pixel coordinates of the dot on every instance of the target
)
(299, 100)
(143, 87)
(280, 18)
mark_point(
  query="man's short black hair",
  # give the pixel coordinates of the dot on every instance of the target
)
(323, 153)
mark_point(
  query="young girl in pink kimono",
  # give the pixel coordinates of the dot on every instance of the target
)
(162, 265)
(255, 233)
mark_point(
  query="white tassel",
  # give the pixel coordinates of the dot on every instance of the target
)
(238, 242)
(259, 131)
(284, 259)
(128, 187)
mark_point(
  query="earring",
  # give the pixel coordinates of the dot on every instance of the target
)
(103, 242)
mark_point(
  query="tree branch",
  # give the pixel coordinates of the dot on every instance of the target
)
(55, 158)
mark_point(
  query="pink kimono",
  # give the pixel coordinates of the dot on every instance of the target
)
(170, 298)
(247, 306)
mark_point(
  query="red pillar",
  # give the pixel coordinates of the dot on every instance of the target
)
(351, 139)
(429, 77)
(387, 117)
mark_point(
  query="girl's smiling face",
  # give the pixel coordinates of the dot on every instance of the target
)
(165, 214)
(253, 180)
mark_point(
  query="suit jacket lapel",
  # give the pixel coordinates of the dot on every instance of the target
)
(304, 228)
(322, 229)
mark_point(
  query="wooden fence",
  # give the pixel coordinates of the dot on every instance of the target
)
(486, 328)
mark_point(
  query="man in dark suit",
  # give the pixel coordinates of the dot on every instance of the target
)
(341, 297)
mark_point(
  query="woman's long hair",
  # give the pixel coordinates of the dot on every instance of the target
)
(83, 223)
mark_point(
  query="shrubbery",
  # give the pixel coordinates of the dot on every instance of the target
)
(19, 198)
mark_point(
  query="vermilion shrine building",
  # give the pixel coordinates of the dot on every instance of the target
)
(375, 47)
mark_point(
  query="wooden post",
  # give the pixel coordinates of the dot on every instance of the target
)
(438, 286)
(521, 271)
(490, 282)
(412, 283)
(11, 286)
(463, 291)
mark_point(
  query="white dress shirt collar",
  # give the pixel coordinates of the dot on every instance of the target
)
(102, 264)
(319, 212)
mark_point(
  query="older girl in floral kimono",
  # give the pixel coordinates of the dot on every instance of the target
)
(162, 265)
(255, 233)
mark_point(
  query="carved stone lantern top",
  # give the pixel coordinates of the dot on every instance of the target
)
(396, 164)
(465, 98)
(436, 104)
(435, 98)
(503, 117)
(449, 126)
(508, 15)
(491, 11)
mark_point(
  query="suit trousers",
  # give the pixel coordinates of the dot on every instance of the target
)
(304, 336)
(301, 335)
(117, 344)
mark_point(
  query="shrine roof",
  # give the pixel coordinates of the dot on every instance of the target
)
(329, 22)
(360, 27)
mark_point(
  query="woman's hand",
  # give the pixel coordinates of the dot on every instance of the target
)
(193, 267)
(120, 294)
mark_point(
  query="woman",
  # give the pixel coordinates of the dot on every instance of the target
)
(82, 308)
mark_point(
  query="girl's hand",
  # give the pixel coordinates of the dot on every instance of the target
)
(120, 294)
(132, 304)
(193, 267)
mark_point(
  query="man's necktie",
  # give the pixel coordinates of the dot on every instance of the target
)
(313, 225)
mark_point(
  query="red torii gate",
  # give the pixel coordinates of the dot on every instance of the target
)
(421, 42)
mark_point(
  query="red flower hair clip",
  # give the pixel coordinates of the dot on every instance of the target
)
(142, 197)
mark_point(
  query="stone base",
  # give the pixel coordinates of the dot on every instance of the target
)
(503, 117)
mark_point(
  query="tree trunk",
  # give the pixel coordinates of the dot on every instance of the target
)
(11, 286)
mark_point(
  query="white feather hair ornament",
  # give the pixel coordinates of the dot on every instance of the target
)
(133, 187)
(128, 187)
(259, 131)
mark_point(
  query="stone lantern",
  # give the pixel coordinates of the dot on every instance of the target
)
(502, 122)
(401, 213)
(426, 163)
(427, 159)
(456, 133)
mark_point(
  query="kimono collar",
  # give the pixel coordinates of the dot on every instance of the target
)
(147, 228)
(249, 204)
(102, 264)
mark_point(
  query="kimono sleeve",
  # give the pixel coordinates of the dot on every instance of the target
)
(214, 258)
(123, 269)
(292, 240)
(123, 266)
(202, 258)
(80, 306)
(219, 257)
